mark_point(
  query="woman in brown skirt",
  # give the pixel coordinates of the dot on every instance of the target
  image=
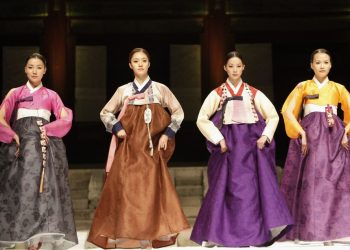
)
(139, 207)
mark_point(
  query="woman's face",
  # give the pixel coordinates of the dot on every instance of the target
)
(321, 65)
(234, 69)
(139, 64)
(35, 70)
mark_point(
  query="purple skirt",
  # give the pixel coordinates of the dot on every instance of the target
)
(243, 202)
(317, 186)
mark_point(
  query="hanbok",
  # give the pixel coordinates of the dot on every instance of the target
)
(35, 203)
(317, 186)
(139, 206)
(243, 205)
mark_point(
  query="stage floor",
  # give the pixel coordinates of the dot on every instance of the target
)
(289, 245)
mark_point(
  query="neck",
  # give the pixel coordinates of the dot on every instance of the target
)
(235, 82)
(34, 85)
(141, 79)
(321, 79)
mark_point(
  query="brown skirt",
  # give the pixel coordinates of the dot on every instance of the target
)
(139, 204)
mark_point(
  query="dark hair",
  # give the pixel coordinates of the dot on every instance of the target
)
(321, 50)
(38, 56)
(135, 50)
(232, 54)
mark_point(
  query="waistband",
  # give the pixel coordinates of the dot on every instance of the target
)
(309, 108)
(43, 113)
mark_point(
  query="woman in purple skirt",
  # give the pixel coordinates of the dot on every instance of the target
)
(316, 179)
(243, 205)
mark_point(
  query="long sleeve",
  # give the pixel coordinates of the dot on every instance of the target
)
(6, 109)
(177, 114)
(6, 133)
(269, 113)
(107, 114)
(63, 123)
(291, 110)
(205, 125)
(345, 105)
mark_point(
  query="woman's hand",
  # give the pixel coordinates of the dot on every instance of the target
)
(16, 138)
(163, 142)
(304, 147)
(261, 141)
(121, 134)
(344, 142)
(223, 146)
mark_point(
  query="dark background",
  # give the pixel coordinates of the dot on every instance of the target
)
(293, 28)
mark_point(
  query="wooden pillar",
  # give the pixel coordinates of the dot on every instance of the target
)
(58, 51)
(216, 42)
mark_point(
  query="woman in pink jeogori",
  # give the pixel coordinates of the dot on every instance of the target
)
(35, 205)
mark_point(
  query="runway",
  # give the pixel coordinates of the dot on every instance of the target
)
(288, 245)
